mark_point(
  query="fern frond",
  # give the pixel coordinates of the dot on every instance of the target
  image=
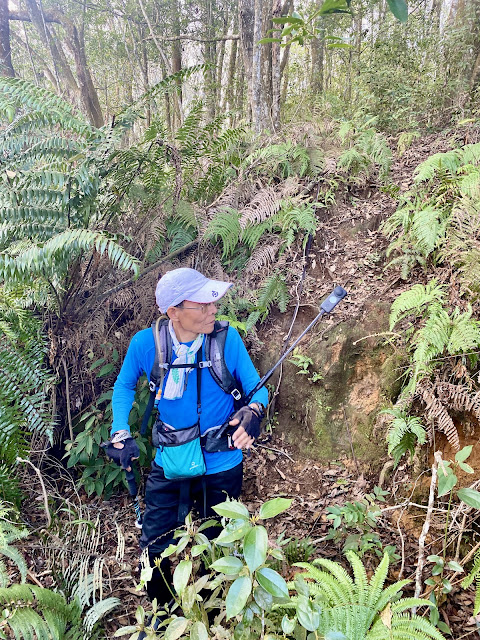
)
(415, 300)
(225, 226)
(465, 333)
(262, 256)
(430, 168)
(437, 412)
(377, 581)
(98, 611)
(428, 229)
(458, 397)
(273, 290)
(264, 205)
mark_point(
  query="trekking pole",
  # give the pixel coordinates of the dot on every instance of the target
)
(327, 306)
(133, 491)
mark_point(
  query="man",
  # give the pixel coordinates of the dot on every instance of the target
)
(190, 399)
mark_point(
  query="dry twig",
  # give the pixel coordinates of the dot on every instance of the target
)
(437, 458)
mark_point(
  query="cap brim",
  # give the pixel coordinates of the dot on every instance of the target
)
(211, 291)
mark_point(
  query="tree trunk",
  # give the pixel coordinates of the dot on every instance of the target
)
(6, 66)
(230, 85)
(88, 93)
(60, 64)
(318, 49)
(276, 72)
(246, 25)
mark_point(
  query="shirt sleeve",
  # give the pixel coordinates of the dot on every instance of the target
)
(126, 382)
(240, 364)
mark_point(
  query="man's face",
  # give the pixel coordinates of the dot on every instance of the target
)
(191, 318)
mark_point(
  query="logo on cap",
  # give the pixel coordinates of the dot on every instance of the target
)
(215, 294)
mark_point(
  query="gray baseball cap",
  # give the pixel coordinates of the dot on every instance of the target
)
(188, 284)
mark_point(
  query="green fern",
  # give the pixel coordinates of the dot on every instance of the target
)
(26, 382)
(10, 533)
(474, 575)
(295, 217)
(429, 223)
(416, 300)
(404, 433)
(226, 227)
(273, 291)
(51, 197)
(353, 606)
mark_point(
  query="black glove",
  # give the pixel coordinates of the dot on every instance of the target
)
(250, 419)
(124, 455)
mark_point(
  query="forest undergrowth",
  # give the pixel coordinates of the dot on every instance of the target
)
(276, 219)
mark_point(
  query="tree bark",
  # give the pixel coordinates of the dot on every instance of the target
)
(246, 25)
(230, 85)
(6, 66)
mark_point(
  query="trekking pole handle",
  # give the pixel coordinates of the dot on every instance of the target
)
(132, 490)
(326, 307)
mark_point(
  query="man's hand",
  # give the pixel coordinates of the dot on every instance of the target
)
(248, 420)
(122, 449)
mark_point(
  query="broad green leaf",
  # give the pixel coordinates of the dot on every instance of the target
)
(181, 575)
(272, 508)
(236, 533)
(237, 595)
(399, 8)
(176, 628)
(470, 497)
(436, 559)
(230, 565)
(444, 627)
(208, 524)
(263, 598)
(232, 510)
(446, 482)
(106, 369)
(288, 625)
(188, 598)
(255, 547)
(198, 631)
(455, 566)
(464, 453)
(267, 40)
(465, 467)
(308, 617)
(197, 549)
(334, 6)
(272, 582)
(287, 20)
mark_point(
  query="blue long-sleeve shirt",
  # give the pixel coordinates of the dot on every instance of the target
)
(216, 405)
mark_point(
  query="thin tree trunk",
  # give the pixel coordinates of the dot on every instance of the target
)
(257, 79)
(276, 71)
(246, 26)
(60, 64)
(318, 48)
(220, 61)
(6, 66)
(88, 93)
(230, 85)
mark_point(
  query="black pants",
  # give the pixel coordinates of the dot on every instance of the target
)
(162, 502)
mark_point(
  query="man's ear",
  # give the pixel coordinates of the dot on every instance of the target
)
(172, 313)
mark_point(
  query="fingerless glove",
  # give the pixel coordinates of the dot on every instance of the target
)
(124, 455)
(250, 419)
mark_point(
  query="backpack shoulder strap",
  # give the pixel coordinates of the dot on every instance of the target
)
(215, 353)
(163, 352)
